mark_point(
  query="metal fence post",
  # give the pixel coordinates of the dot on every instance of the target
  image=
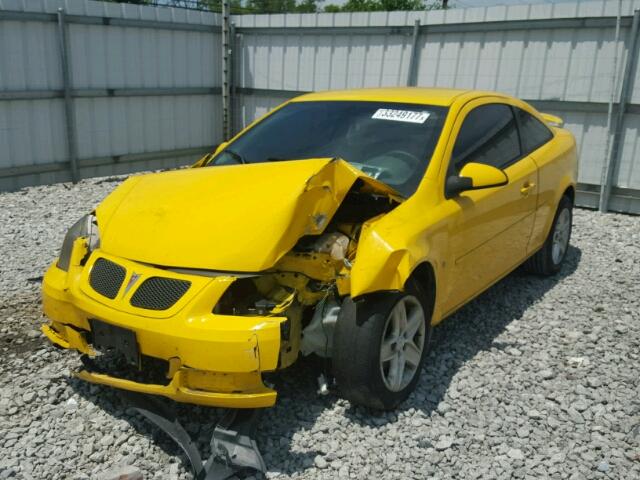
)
(412, 76)
(226, 72)
(69, 114)
(625, 97)
(232, 78)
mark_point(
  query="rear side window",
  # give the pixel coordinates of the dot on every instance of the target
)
(533, 132)
(488, 135)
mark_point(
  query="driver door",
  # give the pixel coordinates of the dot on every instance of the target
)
(489, 229)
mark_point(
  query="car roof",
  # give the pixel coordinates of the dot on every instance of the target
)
(427, 96)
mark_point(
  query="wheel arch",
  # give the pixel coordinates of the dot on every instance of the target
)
(570, 192)
(425, 276)
(567, 189)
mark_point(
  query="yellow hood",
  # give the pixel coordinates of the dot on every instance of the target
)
(240, 218)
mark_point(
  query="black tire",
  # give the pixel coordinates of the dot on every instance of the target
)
(357, 342)
(544, 262)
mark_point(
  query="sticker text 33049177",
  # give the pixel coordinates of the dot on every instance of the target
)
(400, 115)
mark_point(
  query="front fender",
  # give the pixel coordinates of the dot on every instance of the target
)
(382, 265)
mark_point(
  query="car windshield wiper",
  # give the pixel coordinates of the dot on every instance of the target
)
(280, 159)
(236, 156)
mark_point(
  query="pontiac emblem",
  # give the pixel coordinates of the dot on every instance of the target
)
(134, 278)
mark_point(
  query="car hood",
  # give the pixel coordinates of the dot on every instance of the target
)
(240, 218)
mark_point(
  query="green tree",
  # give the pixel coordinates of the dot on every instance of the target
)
(307, 6)
(298, 6)
(385, 5)
(331, 8)
(216, 6)
(271, 6)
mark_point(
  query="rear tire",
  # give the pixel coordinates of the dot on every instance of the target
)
(548, 260)
(380, 344)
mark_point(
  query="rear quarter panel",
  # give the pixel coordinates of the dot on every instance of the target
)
(557, 163)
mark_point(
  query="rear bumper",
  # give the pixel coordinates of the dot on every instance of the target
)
(214, 360)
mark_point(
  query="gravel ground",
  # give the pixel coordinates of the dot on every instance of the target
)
(536, 378)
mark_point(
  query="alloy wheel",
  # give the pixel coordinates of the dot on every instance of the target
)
(403, 343)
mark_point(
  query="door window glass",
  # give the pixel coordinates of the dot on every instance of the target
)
(533, 132)
(488, 135)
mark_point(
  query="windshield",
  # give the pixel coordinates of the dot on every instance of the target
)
(391, 142)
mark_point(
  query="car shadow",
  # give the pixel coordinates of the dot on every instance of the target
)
(455, 341)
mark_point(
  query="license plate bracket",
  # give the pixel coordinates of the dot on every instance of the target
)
(122, 340)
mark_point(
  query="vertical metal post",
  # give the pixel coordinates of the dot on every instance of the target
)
(226, 71)
(232, 79)
(625, 96)
(412, 76)
(69, 114)
(612, 99)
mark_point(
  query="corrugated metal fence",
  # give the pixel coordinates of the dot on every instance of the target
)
(145, 81)
(143, 89)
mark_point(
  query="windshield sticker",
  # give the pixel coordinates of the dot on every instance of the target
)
(400, 115)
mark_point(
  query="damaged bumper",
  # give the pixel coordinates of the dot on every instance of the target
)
(210, 359)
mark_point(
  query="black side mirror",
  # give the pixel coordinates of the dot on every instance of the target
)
(474, 176)
(456, 185)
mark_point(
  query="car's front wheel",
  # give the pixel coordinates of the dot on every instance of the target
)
(379, 348)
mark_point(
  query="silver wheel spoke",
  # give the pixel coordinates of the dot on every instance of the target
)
(400, 313)
(416, 318)
(398, 371)
(412, 354)
(393, 368)
(386, 351)
(395, 324)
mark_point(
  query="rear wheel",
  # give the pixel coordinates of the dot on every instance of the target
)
(548, 260)
(380, 345)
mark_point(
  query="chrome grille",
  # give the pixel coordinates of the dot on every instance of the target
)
(158, 293)
(106, 277)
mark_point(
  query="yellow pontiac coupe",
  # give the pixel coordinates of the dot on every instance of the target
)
(342, 224)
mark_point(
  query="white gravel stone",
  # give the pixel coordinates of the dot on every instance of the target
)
(444, 443)
(546, 367)
(320, 462)
(126, 472)
(547, 374)
(515, 453)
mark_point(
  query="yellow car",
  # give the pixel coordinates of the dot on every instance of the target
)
(342, 224)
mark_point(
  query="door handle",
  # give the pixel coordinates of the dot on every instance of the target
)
(526, 188)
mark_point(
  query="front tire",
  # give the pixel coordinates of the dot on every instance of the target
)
(380, 343)
(548, 260)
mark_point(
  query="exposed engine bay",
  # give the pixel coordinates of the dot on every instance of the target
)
(309, 283)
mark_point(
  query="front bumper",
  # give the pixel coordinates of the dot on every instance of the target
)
(214, 360)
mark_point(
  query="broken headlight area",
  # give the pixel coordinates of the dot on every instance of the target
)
(86, 227)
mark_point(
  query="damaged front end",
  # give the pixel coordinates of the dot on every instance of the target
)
(196, 308)
(211, 341)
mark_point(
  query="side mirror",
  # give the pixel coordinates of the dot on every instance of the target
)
(203, 161)
(475, 176)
